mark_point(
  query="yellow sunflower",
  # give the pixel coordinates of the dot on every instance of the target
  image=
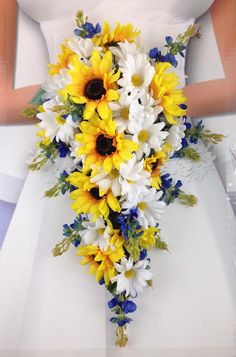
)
(121, 33)
(153, 164)
(102, 146)
(101, 262)
(94, 85)
(64, 60)
(164, 86)
(89, 198)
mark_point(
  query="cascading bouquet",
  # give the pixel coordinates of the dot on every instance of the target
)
(118, 113)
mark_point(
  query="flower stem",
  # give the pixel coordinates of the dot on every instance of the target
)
(122, 337)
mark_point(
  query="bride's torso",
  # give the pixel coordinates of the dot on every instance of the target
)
(155, 18)
(183, 301)
(128, 10)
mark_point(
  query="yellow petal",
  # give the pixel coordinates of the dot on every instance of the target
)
(113, 202)
(103, 109)
(89, 109)
(105, 65)
(112, 95)
(107, 165)
(96, 60)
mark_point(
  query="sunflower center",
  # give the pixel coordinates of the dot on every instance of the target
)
(125, 113)
(143, 136)
(130, 274)
(137, 80)
(60, 120)
(104, 145)
(94, 192)
(94, 89)
(142, 205)
(155, 165)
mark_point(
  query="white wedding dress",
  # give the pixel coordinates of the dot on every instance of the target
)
(53, 307)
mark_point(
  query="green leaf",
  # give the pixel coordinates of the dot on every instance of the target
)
(191, 154)
(132, 248)
(62, 247)
(111, 288)
(29, 113)
(160, 244)
(187, 200)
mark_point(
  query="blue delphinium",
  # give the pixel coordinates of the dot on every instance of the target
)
(129, 224)
(120, 308)
(157, 56)
(87, 30)
(73, 230)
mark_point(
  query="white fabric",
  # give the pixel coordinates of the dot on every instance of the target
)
(52, 307)
(16, 142)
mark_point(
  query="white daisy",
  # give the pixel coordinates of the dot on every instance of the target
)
(106, 182)
(96, 233)
(132, 278)
(55, 83)
(56, 126)
(123, 49)
(137, 73)
(74, 145)
(176, 134)
(149, 207)
(133, 178)
(130, 113)
(151, 136)
(83, 47)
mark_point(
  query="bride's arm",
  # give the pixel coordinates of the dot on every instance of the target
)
(218, 96)
(11, 101)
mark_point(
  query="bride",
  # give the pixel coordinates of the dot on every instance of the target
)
(51, 307)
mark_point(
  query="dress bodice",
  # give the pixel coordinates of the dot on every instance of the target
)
(155, 18)
(54, 9)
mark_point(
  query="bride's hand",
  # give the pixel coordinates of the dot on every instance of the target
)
(218, 96)
(11, 101)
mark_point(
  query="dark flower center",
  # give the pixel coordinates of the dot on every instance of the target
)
(94, 89)
(113, 218)
(155, 165)
(104, 145)
(94, 192)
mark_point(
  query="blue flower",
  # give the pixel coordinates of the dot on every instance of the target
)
(124, 321)
(112, 303)
(143, 254)
(169, 58)
(88, 30)
(76, 243)
(128, 306)
(156, 55)
(183, 106)
(133, 213)
(193, 139)
(166, 181)
(184, 143)
(178, 184)
(169, 40)
(101, 282)
(188, 125)
(62, 148)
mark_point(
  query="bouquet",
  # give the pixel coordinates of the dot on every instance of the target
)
(118, 113)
